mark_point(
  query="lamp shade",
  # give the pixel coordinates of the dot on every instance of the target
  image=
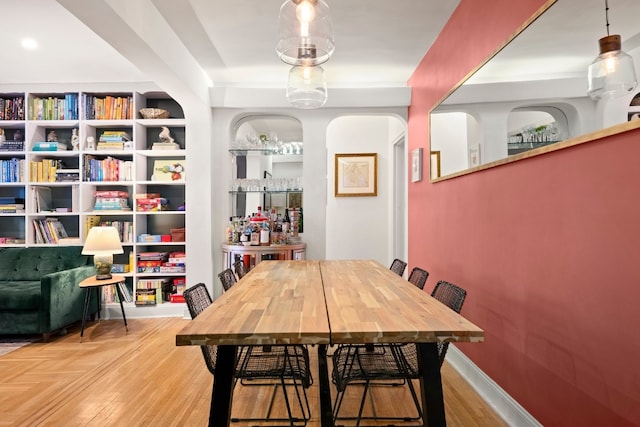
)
(102, 241)
(307, 87)
(304, 31)
(612, 73)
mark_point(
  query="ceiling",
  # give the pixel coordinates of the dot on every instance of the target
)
(379, 43)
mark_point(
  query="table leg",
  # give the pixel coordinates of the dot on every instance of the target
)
(121, 298)
(85, 310)
(326, 411)
(431, 385)
(222, 393)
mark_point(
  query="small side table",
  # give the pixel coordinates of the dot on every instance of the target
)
(93, 283)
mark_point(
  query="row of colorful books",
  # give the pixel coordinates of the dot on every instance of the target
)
(12, 170)
(108, 107)
(49, 230)
(12, 108)
(53, 107)
(108, 169)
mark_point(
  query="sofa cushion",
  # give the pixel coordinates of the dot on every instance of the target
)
(33, 263)
(20, 295)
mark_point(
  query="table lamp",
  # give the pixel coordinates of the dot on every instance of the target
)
(102, 243)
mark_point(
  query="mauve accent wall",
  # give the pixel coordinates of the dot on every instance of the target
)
(548, 247)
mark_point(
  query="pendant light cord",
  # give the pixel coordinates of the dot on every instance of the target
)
(606, 14)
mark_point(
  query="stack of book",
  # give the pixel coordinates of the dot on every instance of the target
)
(49, 146)
(11, 145)
(67, 175)
(150, 262)
(113, 140)
(177, 291)
(149, 291)
(176, 263)
(111, 200)
(11, 205)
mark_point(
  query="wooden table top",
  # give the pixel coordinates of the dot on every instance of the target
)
(92, 281)
(368, 303)
(278, 302)
(283, 302)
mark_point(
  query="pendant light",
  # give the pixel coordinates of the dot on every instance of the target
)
(304, 26)
(307, 87)
(612, 73)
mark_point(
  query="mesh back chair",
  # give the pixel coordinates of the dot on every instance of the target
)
(359, 364)
(228, 278)
(418, 277)
(398, 266)
(280, 365)
(240, 268)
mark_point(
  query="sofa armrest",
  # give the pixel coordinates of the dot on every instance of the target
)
(63, 299)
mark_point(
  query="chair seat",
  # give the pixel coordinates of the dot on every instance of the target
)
(365, 363)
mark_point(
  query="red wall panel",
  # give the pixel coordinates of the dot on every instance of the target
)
(547, 247)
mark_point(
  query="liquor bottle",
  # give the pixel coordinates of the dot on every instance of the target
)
(265, 238)
(229, 231)
(286, 223)
(300, 229)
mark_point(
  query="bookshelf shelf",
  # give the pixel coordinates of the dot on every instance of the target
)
(95, 118)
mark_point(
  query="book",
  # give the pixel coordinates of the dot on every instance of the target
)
(49, 146)
(43, 201)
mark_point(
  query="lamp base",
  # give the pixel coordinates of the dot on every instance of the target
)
(103, 265)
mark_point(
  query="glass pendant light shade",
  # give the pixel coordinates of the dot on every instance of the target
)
(612, 73)
(307, 87)
(305, 32)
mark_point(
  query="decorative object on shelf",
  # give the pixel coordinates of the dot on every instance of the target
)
(416, 165)
(91, 143)
(166, 141)
(612, 73)
(356, 174)
(18, 136)
(304, 29)
(52, 136)
(75, 139)
(154, 113)
(102, 243)
(168, 170)
(2, 137)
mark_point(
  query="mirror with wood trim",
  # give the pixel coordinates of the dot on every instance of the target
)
(531, 97)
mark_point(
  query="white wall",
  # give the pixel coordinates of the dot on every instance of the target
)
(357, 227)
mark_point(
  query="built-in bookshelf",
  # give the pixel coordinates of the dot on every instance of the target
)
(59, 150)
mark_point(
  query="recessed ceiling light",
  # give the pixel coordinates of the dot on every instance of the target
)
(29, 44)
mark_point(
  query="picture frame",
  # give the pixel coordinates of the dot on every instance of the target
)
(434, 167)
(416, 165)
(474, 155)
(356, 174)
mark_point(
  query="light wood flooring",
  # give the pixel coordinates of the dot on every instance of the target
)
(141, 378)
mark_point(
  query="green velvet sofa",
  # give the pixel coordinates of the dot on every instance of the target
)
(39, 291)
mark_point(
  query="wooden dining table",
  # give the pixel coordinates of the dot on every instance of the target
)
(326, 303)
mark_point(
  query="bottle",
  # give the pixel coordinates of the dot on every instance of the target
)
(286, 224)
(229, 231)
(265, 238)
(300, 229)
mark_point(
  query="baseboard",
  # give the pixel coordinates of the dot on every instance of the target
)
(504, 405)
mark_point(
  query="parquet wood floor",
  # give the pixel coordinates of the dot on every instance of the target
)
(141, 378)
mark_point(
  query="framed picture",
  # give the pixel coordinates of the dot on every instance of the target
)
(416, 165)
(356, 174)
(474, 155)
(434, 167)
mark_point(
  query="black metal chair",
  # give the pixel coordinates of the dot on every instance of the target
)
(240, 268)
(418, 277)
(361, 365)
(275, 365)
(398, 266)
(228, 278)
